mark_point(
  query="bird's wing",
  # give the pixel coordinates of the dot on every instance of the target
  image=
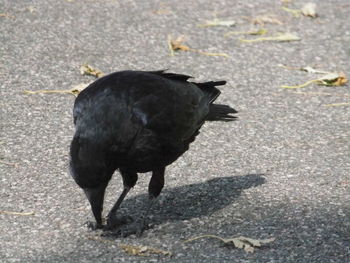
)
(169, 105)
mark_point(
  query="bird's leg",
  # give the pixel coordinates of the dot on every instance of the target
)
(154, 189)
(129, 181)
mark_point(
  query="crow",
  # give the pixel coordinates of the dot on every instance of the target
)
(136, 122)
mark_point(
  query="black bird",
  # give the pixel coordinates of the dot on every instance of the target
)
(136, 122)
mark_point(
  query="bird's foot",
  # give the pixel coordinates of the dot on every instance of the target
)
(93, 225)
(115, 222)
(137, 227)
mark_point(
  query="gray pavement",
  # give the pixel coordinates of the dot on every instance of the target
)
(281, 171)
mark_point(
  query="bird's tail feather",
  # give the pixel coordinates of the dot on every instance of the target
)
(210, 89)
(217, 112)
(220, 112)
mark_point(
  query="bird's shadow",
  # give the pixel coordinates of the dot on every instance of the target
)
(193, 200)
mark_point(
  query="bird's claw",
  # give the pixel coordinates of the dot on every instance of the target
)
(93, 225)
(114, 222)
(125, 230)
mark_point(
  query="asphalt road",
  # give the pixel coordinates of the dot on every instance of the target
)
(281, 171)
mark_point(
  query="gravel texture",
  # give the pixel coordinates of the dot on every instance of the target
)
(281, 171)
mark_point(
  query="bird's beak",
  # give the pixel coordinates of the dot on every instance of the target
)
(96, 197)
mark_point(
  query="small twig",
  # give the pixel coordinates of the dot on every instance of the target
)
(45, 91)
(211, 54)
(306, 69)
(7, 163)
(170, 46)
(259, 32)
(17, 213)
(177, 45)
(338, 104)
(74, 91)
(294, 12)
(300, 86)
(286, 37)
(6, 15)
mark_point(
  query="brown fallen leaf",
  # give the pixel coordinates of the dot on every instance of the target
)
(17, 213)
(248, 244)
(261, 31)
(143, 250)
(218, 22)
(86, 69)
(177, 45)
(74, 91)
(309, 9)
(285, 37)
(266, 19)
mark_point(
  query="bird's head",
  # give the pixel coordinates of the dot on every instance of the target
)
(94, 182)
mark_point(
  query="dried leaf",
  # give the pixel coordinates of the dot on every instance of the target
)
(74, 91)
(241, 242)
(176, 45)
(143, 250)
(86, 69)
(294, 12)
(261, 31)
(266, 19)
(131, 249)
(218, 22)
(329, 79)
(333, 79)
(309, 9)
(285, 37)
(17, 213)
